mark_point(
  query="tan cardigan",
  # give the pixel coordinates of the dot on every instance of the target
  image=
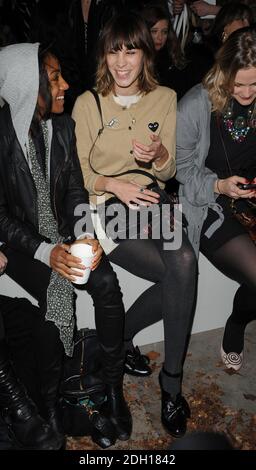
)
(112, 152)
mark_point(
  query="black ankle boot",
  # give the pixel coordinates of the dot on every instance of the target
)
(102, 432)
(136, 363)
(116, 409)
(54, 421)
(51, 414)
(174, 413)
(26, 427)
(49, 366)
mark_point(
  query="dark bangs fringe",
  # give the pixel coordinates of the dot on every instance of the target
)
(125, 33)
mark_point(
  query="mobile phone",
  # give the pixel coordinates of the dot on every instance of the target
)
(247, 186)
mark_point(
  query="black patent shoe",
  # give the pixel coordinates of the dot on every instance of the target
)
(174, 414)
(137, 363)
(117, 411)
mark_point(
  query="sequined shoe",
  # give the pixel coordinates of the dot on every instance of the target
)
(136, 363)
(232, 360)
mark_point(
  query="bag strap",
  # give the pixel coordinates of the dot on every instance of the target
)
(97, 99)
(223, 144)
(140, 172)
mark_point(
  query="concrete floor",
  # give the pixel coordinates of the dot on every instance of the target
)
(220, 401)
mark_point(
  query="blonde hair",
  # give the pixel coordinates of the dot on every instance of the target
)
(130, 31)
(238, 52)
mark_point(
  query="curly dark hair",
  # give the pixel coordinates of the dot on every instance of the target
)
(44, 90)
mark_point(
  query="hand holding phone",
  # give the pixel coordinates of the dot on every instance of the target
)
(247, 186)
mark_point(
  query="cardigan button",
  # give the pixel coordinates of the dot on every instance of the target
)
(131, 152)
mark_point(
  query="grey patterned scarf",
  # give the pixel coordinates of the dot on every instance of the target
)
(60, 292)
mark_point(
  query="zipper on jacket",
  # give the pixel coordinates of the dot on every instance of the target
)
(36, 222)
(82, 365)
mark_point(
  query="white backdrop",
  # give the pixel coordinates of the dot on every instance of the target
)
(214, 303)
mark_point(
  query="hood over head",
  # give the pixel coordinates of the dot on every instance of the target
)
(19, 84)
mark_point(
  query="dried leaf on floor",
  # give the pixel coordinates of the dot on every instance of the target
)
(152, 355)
(249, 396)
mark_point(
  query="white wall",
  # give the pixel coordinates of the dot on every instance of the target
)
(214, 304)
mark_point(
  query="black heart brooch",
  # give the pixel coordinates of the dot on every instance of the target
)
(153, 126)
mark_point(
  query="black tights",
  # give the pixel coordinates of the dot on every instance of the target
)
(170, 298)
(237, 260)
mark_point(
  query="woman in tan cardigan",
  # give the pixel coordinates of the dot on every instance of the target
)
(137, 132)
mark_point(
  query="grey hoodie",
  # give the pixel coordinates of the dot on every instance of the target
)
(19, 84)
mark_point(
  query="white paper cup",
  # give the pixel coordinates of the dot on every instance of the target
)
(84, 252)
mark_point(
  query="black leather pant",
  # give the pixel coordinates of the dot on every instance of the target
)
(103, 286)
(17, 322)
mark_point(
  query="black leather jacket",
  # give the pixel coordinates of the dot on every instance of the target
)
(18, 196)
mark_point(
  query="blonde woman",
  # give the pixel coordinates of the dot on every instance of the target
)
(215, 164)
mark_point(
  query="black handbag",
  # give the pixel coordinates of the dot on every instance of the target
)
(245, 213)
(75, 417)
(122, 222)
(82, 372)
(82, 389)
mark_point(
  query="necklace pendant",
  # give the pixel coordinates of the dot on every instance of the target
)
(240, 123)
(238, 128)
